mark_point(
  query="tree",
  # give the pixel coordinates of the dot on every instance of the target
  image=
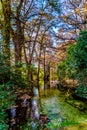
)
(31, 24)
(5, 23)
(73, 19)
(6, 30)
(39, 31)
(81, 63)
(76, 64)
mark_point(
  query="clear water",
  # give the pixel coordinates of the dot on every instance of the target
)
(51, 103)
(62, 115)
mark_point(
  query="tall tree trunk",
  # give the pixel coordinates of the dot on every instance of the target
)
(6, 31)
(29, 74)
(6, 37)
(39, 70)
(47, 75)
(44, 69)
(18, 44)
(18, 39)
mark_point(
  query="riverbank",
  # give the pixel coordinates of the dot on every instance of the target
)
(48, 112)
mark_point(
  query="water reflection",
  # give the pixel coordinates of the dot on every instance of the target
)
(13, 111)
(24, 102)
(35, 109)
(35, 91)
(50, 109)
(26, 110)
(13, 116)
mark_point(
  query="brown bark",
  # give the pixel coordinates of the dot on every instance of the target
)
(6, 31)
(39, 69)
(47, 76)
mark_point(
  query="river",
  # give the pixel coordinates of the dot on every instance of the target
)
(50, 111)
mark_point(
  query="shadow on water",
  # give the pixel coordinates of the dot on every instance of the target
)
(47, 112)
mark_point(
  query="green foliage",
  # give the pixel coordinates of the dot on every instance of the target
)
(71, 62)
(81, 51)
(69, 123)
(82, 91)
(55, 5)
(61, 70)
(67, 68)
(75, 64)
(15, 74)
(4, 69)
(81, 63)
(5, 91)
(8, 87)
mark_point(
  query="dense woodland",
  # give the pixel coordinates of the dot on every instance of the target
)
(42, 41)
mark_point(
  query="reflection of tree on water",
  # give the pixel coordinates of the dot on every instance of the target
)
(29, 114)
(34, 114)
(13, 117)
(26, 113)
(24, 102)
(35, 109)
(37, 118)
(13, 112)
(18, 114)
